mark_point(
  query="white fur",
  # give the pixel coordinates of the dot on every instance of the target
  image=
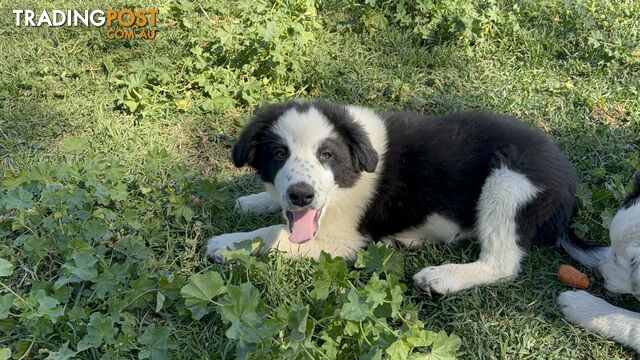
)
(503, 193)
(218, 244)
(260, 203)
(303, 134)
(343, 207)
(436, 228)
(597, 315)
(619, 275)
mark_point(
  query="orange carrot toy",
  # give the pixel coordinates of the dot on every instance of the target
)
(568, 275)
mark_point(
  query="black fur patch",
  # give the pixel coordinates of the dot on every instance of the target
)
(363, 155)
(258, 129)
(345, 173)
(634, 196)
(352, 147)
(439, 165)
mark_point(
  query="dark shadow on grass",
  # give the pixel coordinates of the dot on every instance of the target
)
(28, 130)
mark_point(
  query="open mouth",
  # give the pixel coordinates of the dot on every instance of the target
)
(303, 224)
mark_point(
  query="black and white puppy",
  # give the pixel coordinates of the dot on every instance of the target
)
(345, 175)
(620, 270)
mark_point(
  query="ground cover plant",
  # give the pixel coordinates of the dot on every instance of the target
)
(114, 172)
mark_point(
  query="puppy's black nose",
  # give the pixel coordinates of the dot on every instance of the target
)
(301, 194)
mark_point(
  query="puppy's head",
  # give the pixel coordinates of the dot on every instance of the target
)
(303, 151)
(620, 270)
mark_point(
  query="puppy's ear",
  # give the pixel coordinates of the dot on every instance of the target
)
(244, 150)
(365, 156)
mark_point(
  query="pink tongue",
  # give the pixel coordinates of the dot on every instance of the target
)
(302, 226)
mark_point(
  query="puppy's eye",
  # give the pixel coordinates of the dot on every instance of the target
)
(279, 154)
(326, 155)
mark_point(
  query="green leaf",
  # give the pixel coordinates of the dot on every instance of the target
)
(143, 293)
(296, 318)
(74, 145)
(99, 330)
(398, 350)
(444, 347)
(328, 271)
(5, 354)
(95, 229)
(202, 288)
(64, 353)
(157, 343)
(47, 307)
(239, 307)
(160, 298)
(119, 192)
(381, 258)
(83, 266)
(19, 199)
(355, 309)
(6, 268)
(375, 291)
(6, 301)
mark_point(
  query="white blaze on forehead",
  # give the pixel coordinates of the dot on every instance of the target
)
(303, 131)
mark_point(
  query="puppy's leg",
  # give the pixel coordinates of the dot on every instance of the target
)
(270, 235)
(503, 194)
(597, 315)
(277, 237)
(405, 242)
(260, 203)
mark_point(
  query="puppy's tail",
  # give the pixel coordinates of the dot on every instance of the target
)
(587, 254)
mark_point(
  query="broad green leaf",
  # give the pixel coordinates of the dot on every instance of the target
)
(398, 350)
(64, 353)
(6, 301)
(296, 319)
(47, 307)
(157, 343)
(444, 347)
(99, 330)
(355, 309)
(328, 271)
(375, 291)
(202, 288)
(239, 307)
(83, 266)
(381, 258)
(143, 294)
(19, 199)
(74, 145)
(6, 268)
(5, 353)
(95, 229)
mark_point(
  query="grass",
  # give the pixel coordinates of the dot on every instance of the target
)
(60, 86)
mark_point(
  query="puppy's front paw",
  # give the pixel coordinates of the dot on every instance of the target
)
(443, 279)
(260, 203)
(580, 307)
(218, 244)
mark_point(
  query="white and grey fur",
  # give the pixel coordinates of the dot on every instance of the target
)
(619, 267)
(402, 178)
